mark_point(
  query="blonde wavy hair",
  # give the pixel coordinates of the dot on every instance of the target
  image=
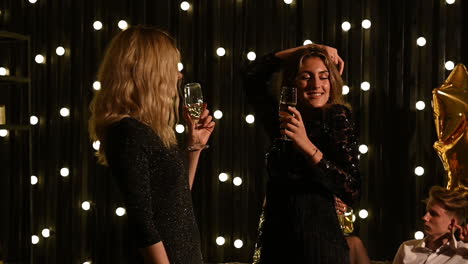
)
(455, 201)
(138, 78)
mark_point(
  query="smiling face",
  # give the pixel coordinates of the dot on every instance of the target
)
(313, 82)
(437, 220)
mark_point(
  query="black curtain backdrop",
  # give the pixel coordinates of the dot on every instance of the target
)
(399, 136)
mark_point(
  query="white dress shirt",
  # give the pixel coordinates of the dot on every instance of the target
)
(416, 252)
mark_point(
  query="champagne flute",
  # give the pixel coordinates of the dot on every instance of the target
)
(288, 98)
(194, 101)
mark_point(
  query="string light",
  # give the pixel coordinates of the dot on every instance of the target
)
(86, 205)
(122, 24)
(34, 180)
(365, 86)
(32, 1)
(4, 71)
(218, 114)
(180, 66)
(308, 42)
(64, 112)
(420, 105)
(238, 243)
(60, 50)
(237, 181)
(96, 145)
(87, 262)
(418, 235)
(40, 59)
(180, 128)
(449, 65)
(419, 171)
(33, 120)
(45, 232)
(450, 1)
(345, 90)
(221, 51)
(64, 172)
(35, 239)
(3, 132)
(363, 214)
(120, 211)
(185, 5)
(220, 241)
(346, 26)
(97, 85)
(250, 119)
(288, 2)
(251, 56)
(366, 24)
(363, 149)
(97, 25)
(223, 177)
(421, 41)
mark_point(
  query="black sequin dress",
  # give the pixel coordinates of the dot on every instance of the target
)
(301, 224)
(154, 184)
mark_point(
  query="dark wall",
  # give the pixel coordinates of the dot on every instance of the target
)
(399, 137)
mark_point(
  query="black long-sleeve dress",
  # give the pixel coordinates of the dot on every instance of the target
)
(301, 224)
(154, 182)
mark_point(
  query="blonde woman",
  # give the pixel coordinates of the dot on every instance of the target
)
(133, 115)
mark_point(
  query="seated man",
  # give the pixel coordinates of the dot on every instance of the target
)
(445, 216)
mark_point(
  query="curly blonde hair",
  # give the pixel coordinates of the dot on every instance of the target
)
(455, 201)
(138, 78)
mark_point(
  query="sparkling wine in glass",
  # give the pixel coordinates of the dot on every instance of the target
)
(193, 97)
(288, 98)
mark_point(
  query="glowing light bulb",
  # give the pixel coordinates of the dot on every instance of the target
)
(220, 241)
(223, 177)
(345, 90)
(97, 85)
(33, 120)
(366, 24)
(180, 66)
(221, 51)
(3, 132)
(185, 5)
(45, 232)
(363, 214)
(40, 59)
(4, 71)
(60, 51)
(97, 25)
(421, 42)
(363, 149)
(346, 26)
(86, 205)
(96, 145)
(449, 65)
(34, 239)
(120, 211)
(420, 105)
(251, 56)
(218, 114)
(64, 112)
(308, 42)
(238, 243)
(419, 171)
(250, 119)
(365, 86)
(418, 235)
(180, 128)
(34, 180)
(122, 24)
(237, 181)
(64, 172)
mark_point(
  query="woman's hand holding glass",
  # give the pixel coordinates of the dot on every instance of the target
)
(199, 129)
(294, 129)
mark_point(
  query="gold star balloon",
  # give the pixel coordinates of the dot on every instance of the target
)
(450, 105)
